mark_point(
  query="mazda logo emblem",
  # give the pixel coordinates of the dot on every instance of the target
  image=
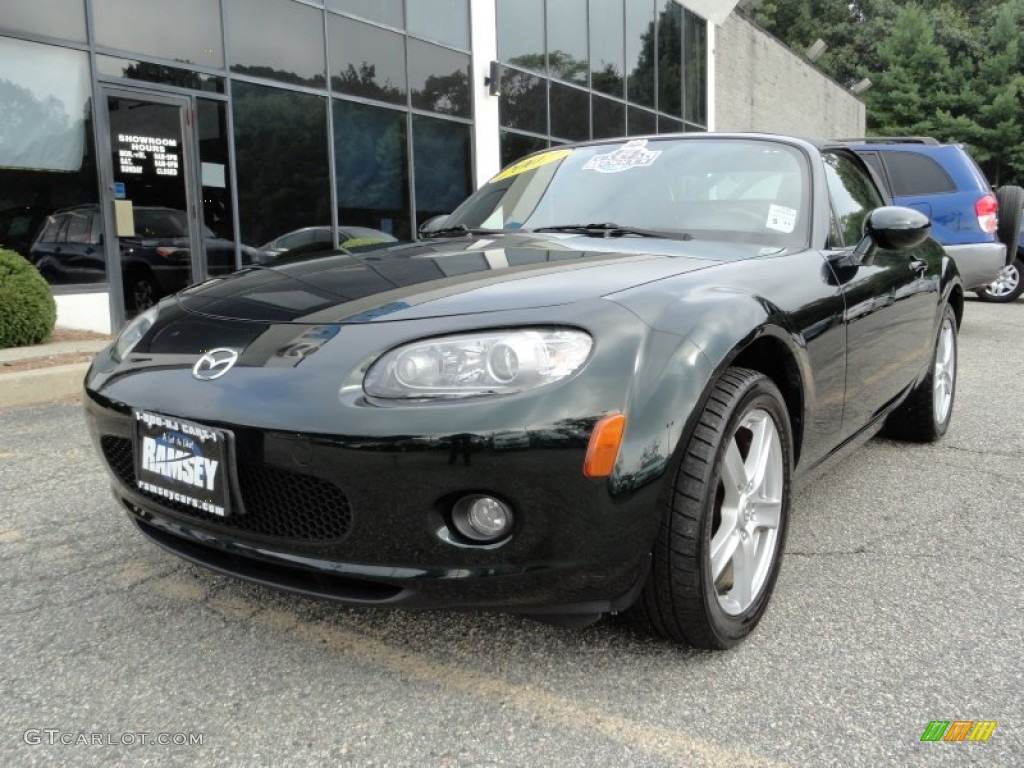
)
(214, 364)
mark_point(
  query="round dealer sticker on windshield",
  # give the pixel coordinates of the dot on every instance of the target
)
(633, 154)
(536, 161)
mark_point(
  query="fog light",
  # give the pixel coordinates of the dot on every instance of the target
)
(482, 518)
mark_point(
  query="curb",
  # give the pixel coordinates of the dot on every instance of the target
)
(43, 385)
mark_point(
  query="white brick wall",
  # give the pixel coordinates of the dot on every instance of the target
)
(761, 85)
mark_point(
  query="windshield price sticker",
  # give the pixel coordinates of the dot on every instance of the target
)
(633, 154)
(781, 219)
(181, 461)
(532, 163)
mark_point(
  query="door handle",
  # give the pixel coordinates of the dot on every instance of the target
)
(919, 267)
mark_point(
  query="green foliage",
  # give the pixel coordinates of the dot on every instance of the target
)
(953, 69)
(27, 309)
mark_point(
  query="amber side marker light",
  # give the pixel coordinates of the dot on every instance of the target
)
(604, 446)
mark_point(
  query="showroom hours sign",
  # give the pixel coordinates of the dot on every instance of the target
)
(134, 151)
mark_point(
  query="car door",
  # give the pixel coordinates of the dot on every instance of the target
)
(890, 303)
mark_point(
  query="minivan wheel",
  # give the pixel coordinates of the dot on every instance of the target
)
(1005, 288)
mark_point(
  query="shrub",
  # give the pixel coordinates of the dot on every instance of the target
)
(27, 309)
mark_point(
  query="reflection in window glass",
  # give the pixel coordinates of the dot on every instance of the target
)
(607, 47)
(523, 102)
(366, 60)
(670, 59)
(570, 112)
(695, 69)
(446, 21)
(520, 36)
(439, 79)
(158, 73)
(46, 152)
(441, 153)
(642, 122)
(189, 31)
(371, 158)
(385, 11)
(281, 160)
(640, 51)
(54, 18)
(567, 40)
(609, 118)
(215, 176)
(516, 145)
(668, 125)
(257, 30)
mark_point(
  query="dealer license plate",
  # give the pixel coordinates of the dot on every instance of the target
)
(182, 461)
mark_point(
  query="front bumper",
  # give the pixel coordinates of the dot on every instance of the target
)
(979, 263)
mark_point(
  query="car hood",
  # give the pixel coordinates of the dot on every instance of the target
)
(451, 277)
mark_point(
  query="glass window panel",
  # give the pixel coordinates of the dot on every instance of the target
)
(158, 73)
(276, 40)
(670, 59)
(385, 11)
(640, 51)
(516, 145)
(642, 122)
(607, 47)
(215, 177)
(439, 79)
(443, 165)
(446, 21)
(609, 118)
(523, 102)
(695, 69)
(46, 157)
(567, 40)
(187, 30)
(281, 159)
(520, 34)
(366, 60)
(570, 113)
(371, 158)
(56, 18)
(669, 125)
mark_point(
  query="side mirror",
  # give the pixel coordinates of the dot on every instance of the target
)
(892, 228)
(432, 224)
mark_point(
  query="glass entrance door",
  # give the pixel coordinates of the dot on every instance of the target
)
(155, 239)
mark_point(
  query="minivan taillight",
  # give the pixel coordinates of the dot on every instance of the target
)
(988, 213)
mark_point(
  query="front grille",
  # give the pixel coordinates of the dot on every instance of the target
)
(278, 503)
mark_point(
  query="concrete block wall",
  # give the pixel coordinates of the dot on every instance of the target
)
(761, 85)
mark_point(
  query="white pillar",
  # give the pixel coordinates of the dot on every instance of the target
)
(484, 41)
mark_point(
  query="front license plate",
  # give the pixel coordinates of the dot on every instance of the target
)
(182, 461)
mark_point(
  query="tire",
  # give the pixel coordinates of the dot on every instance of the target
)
(140, 293)
(715, 527)
(1011, 210)
(1007, 287)
(925, 415)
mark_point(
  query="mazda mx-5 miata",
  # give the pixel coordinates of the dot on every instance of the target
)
(591, 389)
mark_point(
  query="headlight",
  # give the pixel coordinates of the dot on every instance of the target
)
(133, 333)
(474, 364)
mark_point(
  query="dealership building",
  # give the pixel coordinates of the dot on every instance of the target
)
(148, 144)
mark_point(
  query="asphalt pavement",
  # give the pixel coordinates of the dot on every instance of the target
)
(900, 602)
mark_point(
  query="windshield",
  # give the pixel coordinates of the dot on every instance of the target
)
(753, 190)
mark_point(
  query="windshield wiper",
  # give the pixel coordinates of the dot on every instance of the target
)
(462, 229)
(608, 229)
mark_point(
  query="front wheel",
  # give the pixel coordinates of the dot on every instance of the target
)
(718, 550)
(1005, 288)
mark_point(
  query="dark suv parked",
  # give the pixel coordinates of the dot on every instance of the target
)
(978, 228)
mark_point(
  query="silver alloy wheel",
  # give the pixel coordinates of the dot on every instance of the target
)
(944, 376)
(744, 537)
(1006, 283)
